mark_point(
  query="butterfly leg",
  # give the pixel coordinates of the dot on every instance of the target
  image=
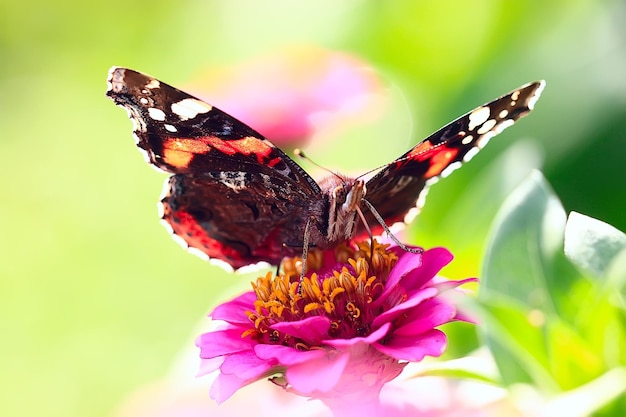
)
(386, 228)
(369, 231)
(305, 249)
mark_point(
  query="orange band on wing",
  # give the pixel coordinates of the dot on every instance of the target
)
(248, 145)
(440, 161)
(178, 152)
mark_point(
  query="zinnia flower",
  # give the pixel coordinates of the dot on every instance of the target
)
(341, 333)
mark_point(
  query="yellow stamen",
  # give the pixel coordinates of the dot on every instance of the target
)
(343, 296)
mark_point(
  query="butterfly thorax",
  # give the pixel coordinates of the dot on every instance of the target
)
(344, 196)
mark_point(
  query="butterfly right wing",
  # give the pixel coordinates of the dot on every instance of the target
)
(398, 190)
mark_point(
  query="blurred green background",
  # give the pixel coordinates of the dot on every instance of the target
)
(95, 298)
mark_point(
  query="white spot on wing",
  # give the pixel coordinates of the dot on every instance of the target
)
(470, 154)
(478, 117)
(168, 226)
(487, 126)
(138, 124)
(170, 128)
(110, 79)
(467, 140)
(532, 100)
(153, 84)
(203, 256)
(452, 167)
(165, 191)
(199, 253)
(248, 268)
(421, 199)
(156, 114)
(503, 125)
(236, 181)
(411, 214)
(483, 141)
(189, 108)
(503, 114)
(161, 211)
(179, 240)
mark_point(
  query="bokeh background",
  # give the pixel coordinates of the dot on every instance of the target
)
(96, 299)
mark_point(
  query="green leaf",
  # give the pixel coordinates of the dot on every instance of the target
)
(516, 338)
(544, 322)
(591, 397)
(525, 238)
(592, 244)
(526, 282)
(617, 277)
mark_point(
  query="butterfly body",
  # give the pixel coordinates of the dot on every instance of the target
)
(237, 198)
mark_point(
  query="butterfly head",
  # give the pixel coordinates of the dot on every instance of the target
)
(345, 196)
(350, 194)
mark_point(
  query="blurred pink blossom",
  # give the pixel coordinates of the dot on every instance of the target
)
(289, 94)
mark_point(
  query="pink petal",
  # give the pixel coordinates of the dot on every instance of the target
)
(312, 329)
(433, 261)
(414, 348)
(320, 374)
(395, 312)
(246, 365)
(209, 365)
(468, 318)
(373, 337)
(428, 315)
(412, 272)
(285, 355)
(222, 342)
(234, 310)
(447, 284)
(225, 386)
(406, 263)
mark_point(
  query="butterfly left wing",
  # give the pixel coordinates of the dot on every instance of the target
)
(399, 188)
(180, 133)
(238, 217)
(233, 196)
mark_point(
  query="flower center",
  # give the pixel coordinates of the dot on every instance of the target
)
(344, 293)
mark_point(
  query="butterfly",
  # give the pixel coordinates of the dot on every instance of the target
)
(235, 197)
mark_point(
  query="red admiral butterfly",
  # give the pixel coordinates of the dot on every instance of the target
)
(236, 197)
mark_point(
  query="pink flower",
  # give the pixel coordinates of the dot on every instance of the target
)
(348, 329)
(289, 94)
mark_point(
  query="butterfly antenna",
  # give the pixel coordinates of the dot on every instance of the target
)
(300, 154)
(393, 237)
(376, 169)
(401, 159)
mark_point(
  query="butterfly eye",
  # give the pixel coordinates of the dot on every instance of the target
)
(338, 194)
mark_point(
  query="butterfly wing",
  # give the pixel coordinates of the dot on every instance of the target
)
(239, 217)
(234, 195)
(398, 190)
